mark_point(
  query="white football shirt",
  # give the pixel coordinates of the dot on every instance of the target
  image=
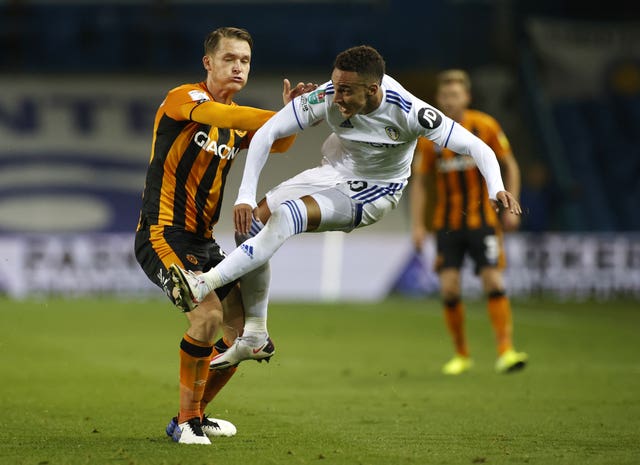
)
(377, 146)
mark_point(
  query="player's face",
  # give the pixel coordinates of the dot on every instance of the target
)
(228, 66)
(353, 94)
(453, 99)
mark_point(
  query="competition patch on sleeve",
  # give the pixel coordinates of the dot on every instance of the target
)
(317, 96)
(198, 95)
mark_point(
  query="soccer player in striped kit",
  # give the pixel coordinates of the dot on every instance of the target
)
(198, 131)
(365, 166)
(464, 221)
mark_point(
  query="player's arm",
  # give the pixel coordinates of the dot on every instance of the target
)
(462, 141)
(417, 201)
(190, 103)
(447, 133)
(283, 144)
(283, 124)
(498, 141)
(511, 172)
(236, 117)
(420, 199)
(226, 116)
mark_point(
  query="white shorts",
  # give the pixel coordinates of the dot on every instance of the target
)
(345, 204)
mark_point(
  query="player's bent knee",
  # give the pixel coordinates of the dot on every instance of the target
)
(491, 279)
(279, 215)
(449, 291)
(288, 219)
(338, 212)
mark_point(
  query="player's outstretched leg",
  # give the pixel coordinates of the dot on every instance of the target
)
(288, 219)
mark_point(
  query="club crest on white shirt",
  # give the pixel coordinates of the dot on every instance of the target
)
(392, 132)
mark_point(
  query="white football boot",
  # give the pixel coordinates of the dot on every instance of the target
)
(215, 427)
(190, 432)
(212, 427)
(242, 349)
(189, 289)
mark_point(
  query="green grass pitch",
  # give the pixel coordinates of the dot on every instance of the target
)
(95, 382)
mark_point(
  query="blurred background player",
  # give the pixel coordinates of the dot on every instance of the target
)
(375, 124)
(198, 131)
(449, 195)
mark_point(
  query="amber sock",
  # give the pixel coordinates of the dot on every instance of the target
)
(500, 315)
(194, 367)
(216, 379)
(454, 317)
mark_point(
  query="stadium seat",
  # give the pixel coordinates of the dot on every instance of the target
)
(579, 145)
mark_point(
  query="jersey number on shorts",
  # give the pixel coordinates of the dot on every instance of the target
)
(491, 249)
(357, 186)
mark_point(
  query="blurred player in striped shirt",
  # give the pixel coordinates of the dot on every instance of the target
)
(464, 221)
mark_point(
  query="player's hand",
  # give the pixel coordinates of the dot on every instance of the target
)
(506, 201)
(289, 93)
(509, 222)
(242, 216)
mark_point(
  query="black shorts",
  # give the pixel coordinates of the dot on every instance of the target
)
(158, 247)
(483, 245)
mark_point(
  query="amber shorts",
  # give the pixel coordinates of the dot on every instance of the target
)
(157, 247)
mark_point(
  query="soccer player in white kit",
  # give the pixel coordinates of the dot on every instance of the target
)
(366, 163)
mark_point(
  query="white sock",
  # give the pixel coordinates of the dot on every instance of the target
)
(255, 325)
(288, 219)
(254, 287)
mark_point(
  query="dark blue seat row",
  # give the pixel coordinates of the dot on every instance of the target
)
(602, 143)
(165, 36)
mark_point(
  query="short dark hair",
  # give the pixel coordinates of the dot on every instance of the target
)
(213, 38)
(364, 60)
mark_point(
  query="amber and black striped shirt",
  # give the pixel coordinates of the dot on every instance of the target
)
(195, 141)
(462, 198)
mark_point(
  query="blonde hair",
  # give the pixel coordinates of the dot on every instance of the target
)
(454, 76)
(213, 38)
